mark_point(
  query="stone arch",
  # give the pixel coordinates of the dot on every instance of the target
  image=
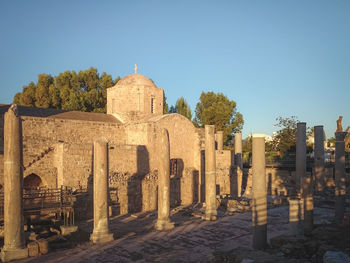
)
(32, 181)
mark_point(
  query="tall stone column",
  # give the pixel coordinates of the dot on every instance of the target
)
(220, 140)
(101, 231)
(300, 162)
(307, 194)
(163, 221)
(319, 158)
(340, 189)
(239, 162)
(259, 195)
(14, 244)
(210, 174)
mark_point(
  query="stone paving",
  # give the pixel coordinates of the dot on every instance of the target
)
(192, 239)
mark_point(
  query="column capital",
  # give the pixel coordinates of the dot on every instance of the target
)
(340, 136)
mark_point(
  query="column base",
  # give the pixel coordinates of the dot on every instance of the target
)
(210, 215)
(164, 225)
(13, 254)
(98, 238)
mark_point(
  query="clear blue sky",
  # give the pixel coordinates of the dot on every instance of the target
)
(274, 58)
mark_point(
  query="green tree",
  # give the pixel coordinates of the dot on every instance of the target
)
(42, 98)
(172, 109)
(27, 98)
(165, 105)
(181, 107)
(285, 139)
(17, 98)
(54, 95)
(83, 91)
(217, 109)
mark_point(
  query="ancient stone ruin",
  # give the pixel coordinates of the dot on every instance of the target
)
(150, 186)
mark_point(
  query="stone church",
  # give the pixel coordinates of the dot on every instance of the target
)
(58, 147)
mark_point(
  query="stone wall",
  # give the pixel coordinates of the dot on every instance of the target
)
(42, 136)
(134, 193)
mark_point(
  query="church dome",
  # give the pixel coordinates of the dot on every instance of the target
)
(135, 79)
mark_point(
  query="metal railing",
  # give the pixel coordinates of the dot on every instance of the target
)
(44, 200)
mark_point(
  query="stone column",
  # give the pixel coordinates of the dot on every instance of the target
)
(259, 193)
(300, 162)
(163, 221)
(307, 194)
(319, 158)
(101, 231)
(220, 140)
(296, 217)
(239, 162)
(14, 244)
(210, 174)
(340, 189)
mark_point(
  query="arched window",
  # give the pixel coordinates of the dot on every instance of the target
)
(32, 181)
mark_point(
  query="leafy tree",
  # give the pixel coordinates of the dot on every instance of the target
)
(54, 95)
(247, 144)
(84, 91)
(285, 139)
(182, 108)
(165, 106)
(172, 109)
(218, 110)
(27, 97)
(331, 142)
(42, 98)
(17, 98)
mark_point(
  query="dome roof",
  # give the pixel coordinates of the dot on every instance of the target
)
(135, 79)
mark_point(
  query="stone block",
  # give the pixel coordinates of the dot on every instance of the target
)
(33, 249)
(32, 236)
(9, 255)
(67, 230)
(43, 246)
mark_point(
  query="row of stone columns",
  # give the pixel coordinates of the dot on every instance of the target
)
(304, 182)
(300, 210)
